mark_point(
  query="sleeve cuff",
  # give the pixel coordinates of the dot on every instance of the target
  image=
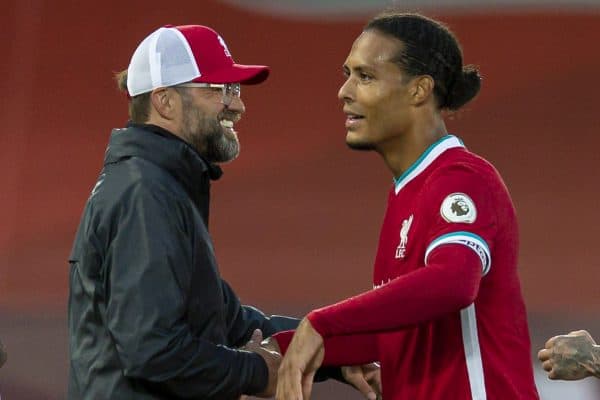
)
(259, 375)
(283, 339)
(315, 318)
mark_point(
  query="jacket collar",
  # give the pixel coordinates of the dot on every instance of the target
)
(163, 148)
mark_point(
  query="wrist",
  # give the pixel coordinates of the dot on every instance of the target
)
(259, 376)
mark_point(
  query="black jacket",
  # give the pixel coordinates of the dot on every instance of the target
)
(149, 315)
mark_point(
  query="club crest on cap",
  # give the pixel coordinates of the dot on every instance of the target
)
(458, 208)
(227, 53)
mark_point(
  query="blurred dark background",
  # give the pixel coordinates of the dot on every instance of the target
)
(296, 218)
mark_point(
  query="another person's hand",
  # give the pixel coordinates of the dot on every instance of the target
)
(302, 359)
(365, 378)
(3, 355)
(569, 357)
(272, 359)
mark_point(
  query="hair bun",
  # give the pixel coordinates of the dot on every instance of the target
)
(466, 86)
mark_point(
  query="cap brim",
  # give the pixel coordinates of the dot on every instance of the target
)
(246, 74)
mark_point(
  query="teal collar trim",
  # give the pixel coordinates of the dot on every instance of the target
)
(425, 159)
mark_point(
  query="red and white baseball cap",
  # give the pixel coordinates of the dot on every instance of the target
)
(189, 53)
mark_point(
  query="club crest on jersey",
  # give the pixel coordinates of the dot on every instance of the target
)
(401, 249)
(459, 208)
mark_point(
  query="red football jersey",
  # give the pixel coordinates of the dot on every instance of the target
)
(446, 309)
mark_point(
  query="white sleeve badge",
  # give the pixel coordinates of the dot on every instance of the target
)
(458, 208)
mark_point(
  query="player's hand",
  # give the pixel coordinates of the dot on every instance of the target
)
(302, 359)
(272, 359)
(365, 378)
(568, 357)
(271, 344)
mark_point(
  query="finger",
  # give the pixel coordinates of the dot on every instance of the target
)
(307, 383)
(544, 354)
(373, 376)
(547, 365)
(378, 386)
(375, 382)
(358, 380)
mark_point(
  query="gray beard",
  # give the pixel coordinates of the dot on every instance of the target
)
(220, 146)
(208, 137)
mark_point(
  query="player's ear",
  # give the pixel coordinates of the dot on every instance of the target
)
(164, 101)
(421, 89)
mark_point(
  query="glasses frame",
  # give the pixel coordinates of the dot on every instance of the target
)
(229, 90)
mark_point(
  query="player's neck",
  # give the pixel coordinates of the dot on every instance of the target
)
(408, 147)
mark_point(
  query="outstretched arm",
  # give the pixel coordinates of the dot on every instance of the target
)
(447, 284)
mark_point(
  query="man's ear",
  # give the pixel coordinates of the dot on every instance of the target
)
(163, 101)
(421, 89)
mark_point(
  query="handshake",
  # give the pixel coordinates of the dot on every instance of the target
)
(291, 378)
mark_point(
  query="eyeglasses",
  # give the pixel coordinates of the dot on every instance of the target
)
(230, 90)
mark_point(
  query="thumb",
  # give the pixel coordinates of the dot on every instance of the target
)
(257, 336)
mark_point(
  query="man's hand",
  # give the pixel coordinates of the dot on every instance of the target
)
(302, 359)
(272, 359)
(571, 357)
(366, 378)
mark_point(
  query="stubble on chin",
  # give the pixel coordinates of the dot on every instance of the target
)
(361, 145)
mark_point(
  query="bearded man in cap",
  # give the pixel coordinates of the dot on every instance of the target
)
(149, 315)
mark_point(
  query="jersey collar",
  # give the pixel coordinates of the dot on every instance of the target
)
(428, 157)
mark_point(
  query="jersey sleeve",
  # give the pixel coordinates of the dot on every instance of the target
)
(340, 350)
(449, 283)
(460, 207)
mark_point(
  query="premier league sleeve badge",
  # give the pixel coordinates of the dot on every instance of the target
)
(458, 208)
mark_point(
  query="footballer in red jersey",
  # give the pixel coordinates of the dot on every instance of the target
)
(446, 318)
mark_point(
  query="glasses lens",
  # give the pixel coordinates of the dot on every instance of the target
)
(231, 91)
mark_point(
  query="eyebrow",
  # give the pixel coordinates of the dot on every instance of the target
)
(358, 68)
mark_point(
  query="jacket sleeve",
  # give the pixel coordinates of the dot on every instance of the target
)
(242, 320)
(147, 284)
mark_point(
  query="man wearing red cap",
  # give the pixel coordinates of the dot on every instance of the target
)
(149, 315)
